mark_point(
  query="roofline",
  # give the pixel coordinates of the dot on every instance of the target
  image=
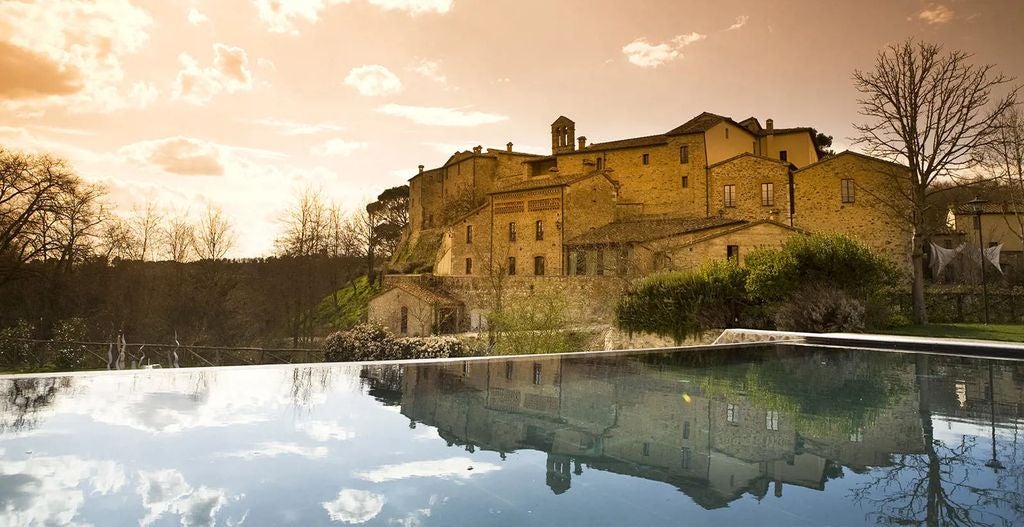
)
(728, 223)
(746, 225)
(472, 212)
(596, 147)
(569, 180)
(852, 153)
(404, 287)
(749, 154)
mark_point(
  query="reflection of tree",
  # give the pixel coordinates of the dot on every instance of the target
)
(23, 399)
(307, 382)
(939, 487)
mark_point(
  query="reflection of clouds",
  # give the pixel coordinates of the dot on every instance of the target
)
(326, 431)
(354, 506)
(274, 449)
(166, 402)
(167, 492)
(455, 467)
(48, 490)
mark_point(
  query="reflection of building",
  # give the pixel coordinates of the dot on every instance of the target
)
(668, 422)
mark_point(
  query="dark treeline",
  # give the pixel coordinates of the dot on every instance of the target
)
(265, 302)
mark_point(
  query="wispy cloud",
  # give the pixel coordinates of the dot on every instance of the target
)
(647, 55)
(185, 156)
(280, 15)
(936, 14)
(326, 431)
(337, 147)
(439, 116)
(287, 127)
(451, 468)
(275, 449)
(196, 17)
(740, 22)
(429, 69)
(415, 7)
(373, 80)
(229, 73)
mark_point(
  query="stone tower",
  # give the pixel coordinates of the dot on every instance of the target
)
(563, 132)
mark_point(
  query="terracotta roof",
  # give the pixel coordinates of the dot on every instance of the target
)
(780, 131)
(557, 181)
(699, 124)
(647, 229)
(748, 154)
(738, 228)
(513, 153)
(992, 207)
(649, 140)
(423, 292)
(829, 159)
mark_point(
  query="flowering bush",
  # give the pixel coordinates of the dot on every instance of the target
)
(371, 342)
(820, 310)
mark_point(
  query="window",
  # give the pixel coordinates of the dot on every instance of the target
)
(857, 436)
(509, 368)
(430, 220)
(685, 458)
(540, 230)
(771, 420)
(469, 234)
(732, 252)
(403, 324)
(783, 155)
(647, 159)
(599, 265)
(581, 263)
(469, 266)
(646, 449)
(726, 132)
(846, 190)
(600, 163)
(686, 181)
(512, 231)
(536, 373)
(684, 154)
(538, 265)
(730, 413)
(511, 265)
(686, 429)
(767, 194)
(730, 196)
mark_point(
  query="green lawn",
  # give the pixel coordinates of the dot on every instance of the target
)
(1004, 332)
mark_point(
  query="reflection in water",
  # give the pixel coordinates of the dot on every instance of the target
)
(722, 426)
(858, 438)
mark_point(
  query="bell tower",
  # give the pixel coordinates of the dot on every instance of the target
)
(563, 132)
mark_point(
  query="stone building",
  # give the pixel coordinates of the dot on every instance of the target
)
(711, 188)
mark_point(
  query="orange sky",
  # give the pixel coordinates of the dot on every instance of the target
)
(240, 103)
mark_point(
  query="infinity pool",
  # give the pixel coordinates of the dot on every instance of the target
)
(786, 434)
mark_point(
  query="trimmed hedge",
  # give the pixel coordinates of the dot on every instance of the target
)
(373, 342)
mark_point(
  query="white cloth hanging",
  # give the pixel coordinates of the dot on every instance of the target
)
(941, 257)
(992, 255)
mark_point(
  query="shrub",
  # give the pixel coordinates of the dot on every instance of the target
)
(534, 322)
(68, 355)
(687, 303)
(820, 310)
(372, 342)
(15, 349)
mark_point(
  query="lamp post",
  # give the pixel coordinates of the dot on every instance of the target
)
(977, 206)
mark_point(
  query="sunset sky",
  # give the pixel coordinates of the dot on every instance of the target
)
(241, 103)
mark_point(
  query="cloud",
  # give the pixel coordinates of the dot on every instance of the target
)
(280, 15)
(936, 14)
(185, 156)
(415, 7)
(79, 45)
(229, 73)
(354, 506)
(740, 22)
(429, 69)
(373, 80)
(326, 431)
(25, 74)
(337, 147)
(451, 468)
(49, 490)
(286, 127)
(167, 492)
(438, 116)
(646, 55)
(195, 17)
(275, 449)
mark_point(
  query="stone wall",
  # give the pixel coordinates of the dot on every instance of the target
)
(525, 209)
(748, 173)
(386, 309)
(715, 247)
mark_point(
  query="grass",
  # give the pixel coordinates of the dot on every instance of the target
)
(1003, 332)
(346, 307)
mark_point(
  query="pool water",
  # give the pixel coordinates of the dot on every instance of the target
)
(785, 434)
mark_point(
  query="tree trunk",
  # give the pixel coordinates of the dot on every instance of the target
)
(917, 288)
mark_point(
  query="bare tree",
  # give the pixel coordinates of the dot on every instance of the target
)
(348, 235)
(932, 111)
(305, 226)
(146, 231)
(215, 235)
(179, 239)
(1003, 159)
(116, 239)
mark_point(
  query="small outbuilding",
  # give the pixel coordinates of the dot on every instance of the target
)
(412, 309)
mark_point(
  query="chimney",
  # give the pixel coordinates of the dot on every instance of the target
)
(769, 125)
(421, 169)
(508, 146)
(583, 142)
(477, 149)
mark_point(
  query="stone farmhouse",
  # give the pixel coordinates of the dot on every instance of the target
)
(711, 188)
